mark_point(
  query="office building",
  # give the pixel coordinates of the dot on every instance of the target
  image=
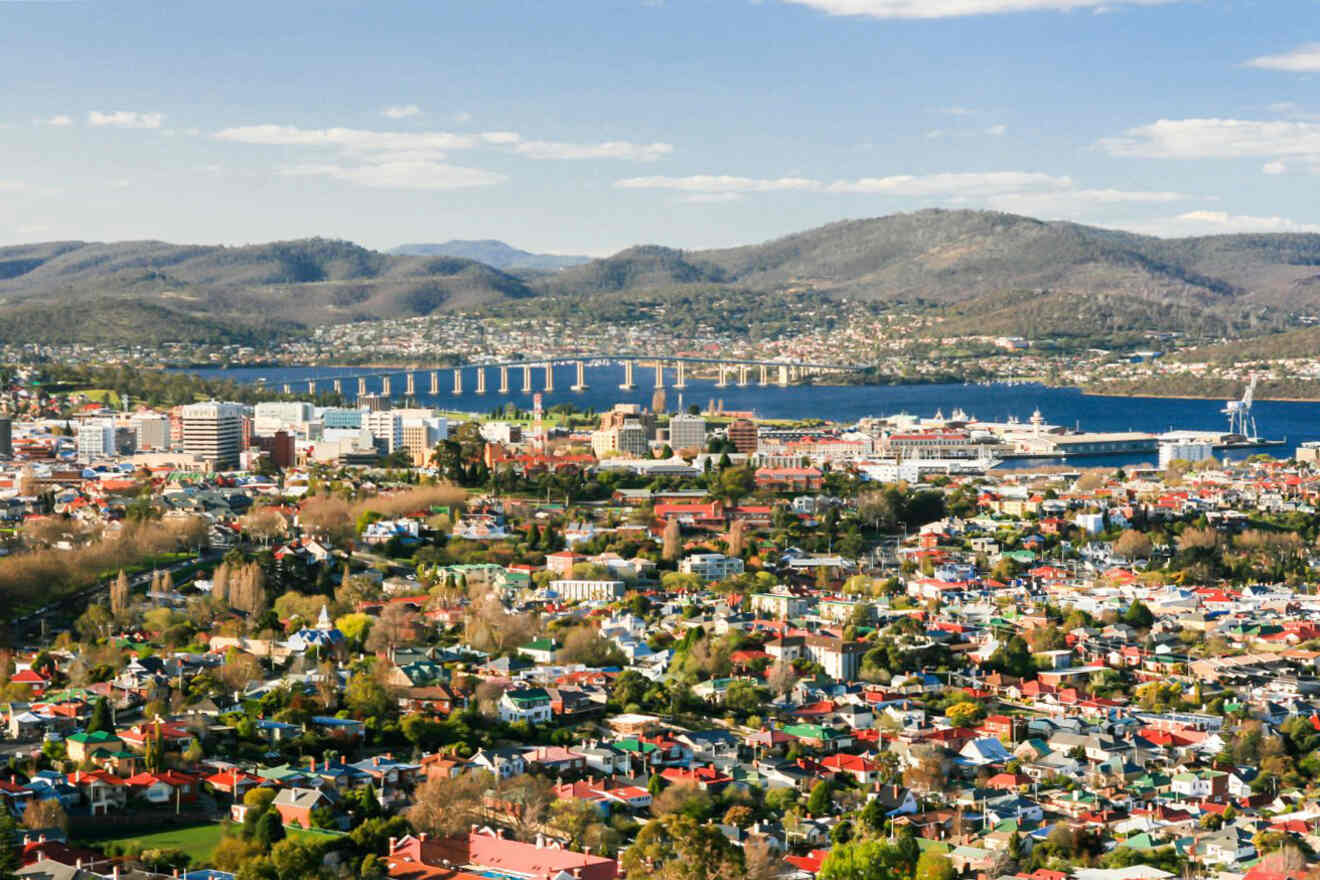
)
(277, 415)
(387, 429)
(279, 448)
(6, 437)
(687, 432)
(420, 436)
(743, 435)
(96, 438)
(628, 412)
(213, 433)
(339, 417)
(152, 430)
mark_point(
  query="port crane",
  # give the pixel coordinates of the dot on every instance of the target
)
(1240, 420)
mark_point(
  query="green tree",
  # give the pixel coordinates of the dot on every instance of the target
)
(678, 847)
(100, 719)
(819, 801)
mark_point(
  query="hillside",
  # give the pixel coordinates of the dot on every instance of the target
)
(85, 292)
(989, 272)
(493, 253)
(948, 257)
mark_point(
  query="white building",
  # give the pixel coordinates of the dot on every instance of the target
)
(687, 432)
(1193, 452)
(278, 415)
(96, 438)
(213, 433)
(711, 566)
(572, 590)
(387, 427)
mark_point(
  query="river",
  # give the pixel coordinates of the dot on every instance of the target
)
(1296, 422)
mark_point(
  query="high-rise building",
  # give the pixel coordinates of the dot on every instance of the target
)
(152, 430)
(687, 432)
(386, 427)
(277, 415)
(623, 413)
(6, 437)
(743, 435)
(375, 402)
(96, 438)
(631, 440)
(213, 433)
(280, 448)
(420, 435)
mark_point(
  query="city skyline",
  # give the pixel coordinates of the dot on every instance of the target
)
(589, 128)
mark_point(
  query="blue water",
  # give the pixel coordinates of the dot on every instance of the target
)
(1297, 422)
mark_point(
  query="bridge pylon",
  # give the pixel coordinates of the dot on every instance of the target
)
(481, 380)
(504, 380)
(435, 382)
(527, 379)
(680, 381)
(628, 383)
(549, 376)
(581, 383)
(458, 381)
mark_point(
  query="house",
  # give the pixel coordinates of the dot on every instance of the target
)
(488, 853)
(81, 746)
(295, 805)
(526, 704)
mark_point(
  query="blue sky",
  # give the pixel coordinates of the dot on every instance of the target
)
(585, 127)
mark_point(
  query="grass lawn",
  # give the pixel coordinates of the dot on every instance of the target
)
(198, 841)
(107, 396)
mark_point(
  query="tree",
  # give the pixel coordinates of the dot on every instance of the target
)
(397, 625)
(934, 866)
(269, 829)
(1133, 544)
(678, 847)
(737, 537)
(444, 806)
(672, 542)
(965, 714)
(870, 859)
(819, 801)
(11, 855)
(294, 858)
(527, 799)
(119, 594)
(101, 719)
(366, 697)
(1138, 615)
(782, 677)
(44, 814)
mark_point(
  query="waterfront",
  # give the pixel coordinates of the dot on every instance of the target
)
(1296, 421)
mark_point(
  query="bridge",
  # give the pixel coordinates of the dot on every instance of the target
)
(730, 372)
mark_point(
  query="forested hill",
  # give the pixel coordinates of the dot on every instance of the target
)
(993, 272)
(152, 291)
(953, 256)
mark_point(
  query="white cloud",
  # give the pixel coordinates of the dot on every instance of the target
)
(958, 8)
(346, 138)
(1275, 167)
(11, 186)
(59, 120)
(606, 150)
(1216, 139)
(402, 111)
(1303, 59)
(711, 184)
(996, 130)
(125, 119)
(1216, 223)
(1076, 203)
(367, 141)
(968, 185)
(965, 185)
(416, 174)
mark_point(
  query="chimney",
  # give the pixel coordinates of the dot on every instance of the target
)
(422, 836)
(393, 841)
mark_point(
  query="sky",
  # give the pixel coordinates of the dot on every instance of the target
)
(576, 126)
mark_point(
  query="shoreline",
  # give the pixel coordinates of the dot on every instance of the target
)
(1155, 396)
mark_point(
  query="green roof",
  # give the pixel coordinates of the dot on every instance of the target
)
(528, 695)
(541, 644)
(99, 736)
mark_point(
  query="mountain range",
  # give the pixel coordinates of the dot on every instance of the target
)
(492, 253)
(989, 272)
